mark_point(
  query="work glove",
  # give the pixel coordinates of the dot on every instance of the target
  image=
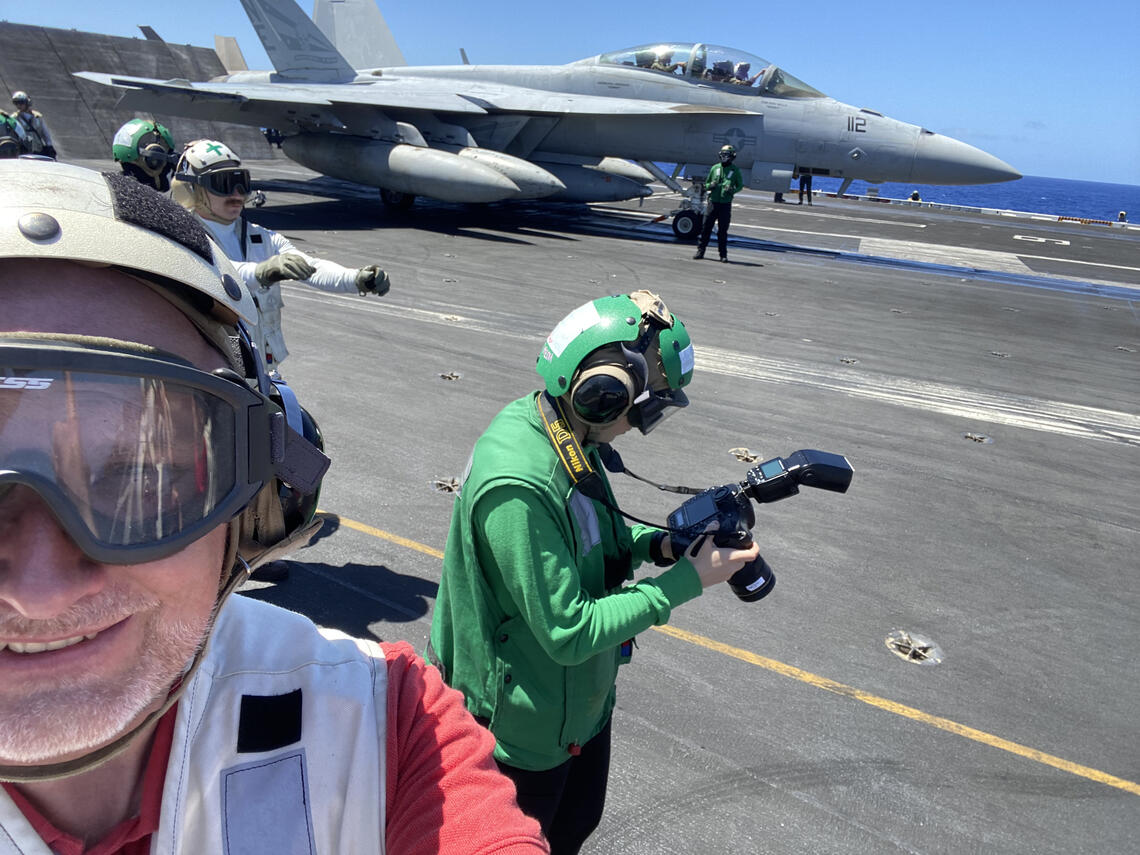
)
(372, 280)
(288, 265)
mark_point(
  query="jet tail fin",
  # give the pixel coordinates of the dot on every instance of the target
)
(296, 47)
(228, 51)
(358, 30)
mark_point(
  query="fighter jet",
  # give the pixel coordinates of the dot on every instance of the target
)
(483, 133)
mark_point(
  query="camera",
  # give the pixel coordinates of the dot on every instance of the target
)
(730, 506)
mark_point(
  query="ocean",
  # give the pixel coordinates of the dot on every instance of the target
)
(1094, 200)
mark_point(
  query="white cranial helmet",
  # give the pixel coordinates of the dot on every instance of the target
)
(208, 155)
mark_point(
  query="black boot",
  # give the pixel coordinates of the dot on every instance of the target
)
(700, 253)
(724, 259)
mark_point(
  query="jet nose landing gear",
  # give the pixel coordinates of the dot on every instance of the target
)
(687, 225)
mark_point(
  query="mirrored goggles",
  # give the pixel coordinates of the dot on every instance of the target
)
(221, 182)
(652, 407)
(137, 455)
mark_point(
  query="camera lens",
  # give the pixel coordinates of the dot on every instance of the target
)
(754, 581)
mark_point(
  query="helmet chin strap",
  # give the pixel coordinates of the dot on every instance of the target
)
(54, 771)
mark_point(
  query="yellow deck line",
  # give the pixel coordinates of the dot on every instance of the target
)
(902, 710)
(826, 684)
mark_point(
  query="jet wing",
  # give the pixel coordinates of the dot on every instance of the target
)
(394, 94)
(261, 100)
(520, 100)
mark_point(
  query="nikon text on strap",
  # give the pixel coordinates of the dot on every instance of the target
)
(570, 451)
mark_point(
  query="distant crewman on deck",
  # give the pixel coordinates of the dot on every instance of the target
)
(805, 185)
(36, 138)
(1122, 217)
(914, 197)
(723, 182)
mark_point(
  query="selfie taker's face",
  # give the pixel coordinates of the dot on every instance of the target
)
(87, 649)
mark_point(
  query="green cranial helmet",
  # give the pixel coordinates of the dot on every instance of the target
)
(140, 138)
(639, 320)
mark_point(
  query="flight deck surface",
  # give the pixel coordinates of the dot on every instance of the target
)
(980, 373)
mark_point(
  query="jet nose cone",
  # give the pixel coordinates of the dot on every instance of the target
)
(940, 159)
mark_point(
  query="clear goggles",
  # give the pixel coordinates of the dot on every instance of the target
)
(221, 182)
(137, 455)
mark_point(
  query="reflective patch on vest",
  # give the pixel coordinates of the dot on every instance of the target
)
(265, 807)
(586, 515)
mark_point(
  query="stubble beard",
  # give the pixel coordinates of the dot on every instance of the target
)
(80, 714)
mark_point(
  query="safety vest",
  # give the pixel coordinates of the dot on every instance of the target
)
(279, 745)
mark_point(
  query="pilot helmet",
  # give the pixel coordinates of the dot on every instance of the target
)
(148, 145)
(620, 355)
(727, 154)
(208, 166)
(21, 100)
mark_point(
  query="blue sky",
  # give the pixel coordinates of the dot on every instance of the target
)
(1051, 88)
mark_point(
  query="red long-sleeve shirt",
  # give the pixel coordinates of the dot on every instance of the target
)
(444, 792)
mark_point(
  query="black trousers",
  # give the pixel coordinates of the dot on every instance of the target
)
(567, 800)
(720, 213)
(805, 186)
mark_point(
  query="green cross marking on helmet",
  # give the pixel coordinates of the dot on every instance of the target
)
(214, 148)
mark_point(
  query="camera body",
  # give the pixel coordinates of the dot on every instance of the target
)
(730, 507)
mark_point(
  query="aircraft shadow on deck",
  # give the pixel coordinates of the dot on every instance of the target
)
(516, 223)
(342, 207)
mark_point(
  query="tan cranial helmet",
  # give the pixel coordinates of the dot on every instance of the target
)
(56, 210)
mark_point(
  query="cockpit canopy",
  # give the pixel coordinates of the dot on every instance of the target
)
(742, 72)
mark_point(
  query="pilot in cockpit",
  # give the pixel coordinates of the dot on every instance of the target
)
(721, 72)
(664, 62)
(740, 74)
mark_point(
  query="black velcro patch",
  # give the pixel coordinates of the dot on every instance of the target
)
(145, 207)
(269, 722)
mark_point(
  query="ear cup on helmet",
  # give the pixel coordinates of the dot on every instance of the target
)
(281, 518)
(608, 383)
(299, 508)
(602, 394)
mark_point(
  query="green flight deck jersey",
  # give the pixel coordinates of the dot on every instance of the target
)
(724, 182)
(525, 624)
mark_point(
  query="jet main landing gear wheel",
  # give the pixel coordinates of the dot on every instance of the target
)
(687, 225)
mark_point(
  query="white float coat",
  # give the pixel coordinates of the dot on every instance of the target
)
(260, 245)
